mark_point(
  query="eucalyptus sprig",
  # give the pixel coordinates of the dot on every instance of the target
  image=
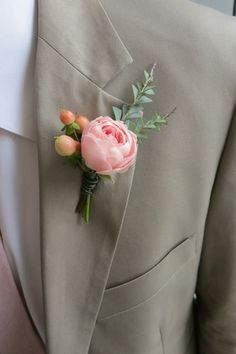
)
(132, 114)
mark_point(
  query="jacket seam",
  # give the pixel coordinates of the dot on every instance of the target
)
(218, 167)
(80, 72)
(67, 60)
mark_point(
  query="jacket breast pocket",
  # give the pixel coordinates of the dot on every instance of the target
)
(134, 293)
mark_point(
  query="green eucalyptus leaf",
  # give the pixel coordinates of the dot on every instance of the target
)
(158, 118)
(139, 85)
(145, 99)
(124, 109)
(139, 123)
(161, 122)
(136, 109)
(151, 72)
(146, 74)
(151, 87)
(134, 113)
(141, 135)
(117, 112)
(150, 125)
(127, 122)
(132, 116)
(135, 91)
(149, 91)
(132, 126)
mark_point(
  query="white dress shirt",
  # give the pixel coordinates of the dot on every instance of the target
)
(19, 191)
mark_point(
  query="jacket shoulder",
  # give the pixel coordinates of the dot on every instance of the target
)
(212, 33)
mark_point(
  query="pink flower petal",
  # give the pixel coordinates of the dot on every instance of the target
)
(93, 154)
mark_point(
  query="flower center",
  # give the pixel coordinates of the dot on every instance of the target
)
(113, 134)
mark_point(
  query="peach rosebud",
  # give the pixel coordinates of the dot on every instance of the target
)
(108, 146)
(65, 145)
(67, 117)
(82, 121)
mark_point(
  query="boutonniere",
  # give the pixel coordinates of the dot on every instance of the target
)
(105, 146)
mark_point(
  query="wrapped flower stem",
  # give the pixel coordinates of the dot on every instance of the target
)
(89, 183)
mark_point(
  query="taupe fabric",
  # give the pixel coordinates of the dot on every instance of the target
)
(17, 335)
(125, 283)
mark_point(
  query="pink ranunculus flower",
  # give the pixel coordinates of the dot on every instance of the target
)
(108, 146)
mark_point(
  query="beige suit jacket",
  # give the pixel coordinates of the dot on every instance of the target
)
(166, 230)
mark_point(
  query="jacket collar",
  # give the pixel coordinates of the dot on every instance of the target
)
(76, 258)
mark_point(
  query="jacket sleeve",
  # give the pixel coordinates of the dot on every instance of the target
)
(216, 284)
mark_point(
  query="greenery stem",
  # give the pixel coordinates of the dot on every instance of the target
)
(87, 208)
(141, 93)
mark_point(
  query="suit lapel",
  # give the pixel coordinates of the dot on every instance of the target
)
(78, 53)
(82, 32)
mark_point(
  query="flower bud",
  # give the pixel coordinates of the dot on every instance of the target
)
(65, 145)
(82, 121)
(67, 117)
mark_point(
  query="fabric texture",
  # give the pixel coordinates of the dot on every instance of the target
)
(17, 334)
(19, 218)
(154, 271)
(17, 59)
(19, 212)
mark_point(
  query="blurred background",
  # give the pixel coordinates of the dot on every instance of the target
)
(226, 6)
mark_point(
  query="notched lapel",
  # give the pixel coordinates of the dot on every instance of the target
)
(82, 32)
(76, 258)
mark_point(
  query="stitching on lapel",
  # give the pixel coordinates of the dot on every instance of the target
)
(82, 74)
